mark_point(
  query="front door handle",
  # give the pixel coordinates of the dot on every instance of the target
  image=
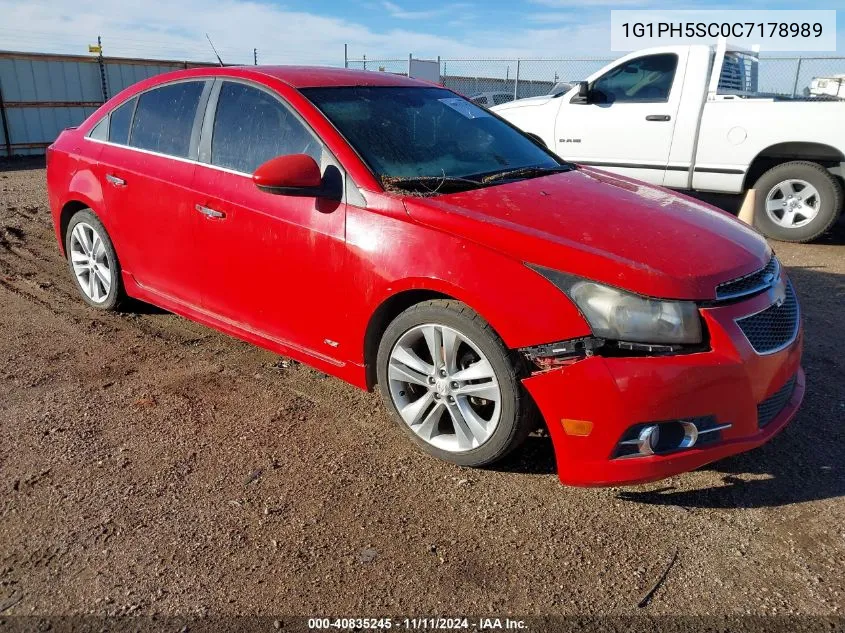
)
(115, 180)
(658, 117)
(210, 213)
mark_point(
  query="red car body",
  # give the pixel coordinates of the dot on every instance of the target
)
(317, 280)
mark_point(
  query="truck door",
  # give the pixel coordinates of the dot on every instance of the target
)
(626, 122)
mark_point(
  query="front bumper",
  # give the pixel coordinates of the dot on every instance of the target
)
(728, 382)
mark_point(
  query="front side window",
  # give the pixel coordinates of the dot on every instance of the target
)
(251, 126)
(644, 79)
(164, 118)
(415, 132)
(119, 122)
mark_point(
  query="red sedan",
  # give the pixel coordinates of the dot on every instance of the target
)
(390, 232)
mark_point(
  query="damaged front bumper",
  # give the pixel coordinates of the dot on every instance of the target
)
(591, 403)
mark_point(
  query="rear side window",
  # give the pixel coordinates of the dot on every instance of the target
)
(739, 74)
(119, 123)
(252, 126)
(164, 118)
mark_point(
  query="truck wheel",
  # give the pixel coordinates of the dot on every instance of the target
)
(797, 201)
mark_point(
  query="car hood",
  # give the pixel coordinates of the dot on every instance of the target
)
(518, 103)
(599, 226)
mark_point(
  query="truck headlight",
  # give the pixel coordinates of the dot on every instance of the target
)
(623, 316)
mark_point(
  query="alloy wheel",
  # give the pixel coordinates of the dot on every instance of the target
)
(90, 262)
(793, 203)
(444, 388)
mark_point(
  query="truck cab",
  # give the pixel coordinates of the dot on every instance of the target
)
(692, 117)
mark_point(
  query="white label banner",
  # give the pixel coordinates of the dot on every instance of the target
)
(793, 30)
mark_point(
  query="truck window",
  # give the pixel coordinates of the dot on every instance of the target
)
(642, 80)
(739, 74)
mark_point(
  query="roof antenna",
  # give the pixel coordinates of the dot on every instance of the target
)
(214, 49)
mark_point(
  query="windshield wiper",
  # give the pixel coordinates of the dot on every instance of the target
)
(524, 172)
(429, 184)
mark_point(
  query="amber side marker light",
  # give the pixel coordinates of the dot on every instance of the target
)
(577, 427)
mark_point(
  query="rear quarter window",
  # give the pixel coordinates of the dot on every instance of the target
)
(119, 122)
(164, 118)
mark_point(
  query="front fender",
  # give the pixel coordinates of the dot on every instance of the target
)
(390, 255)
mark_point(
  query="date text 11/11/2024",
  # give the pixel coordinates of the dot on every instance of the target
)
(419, 624)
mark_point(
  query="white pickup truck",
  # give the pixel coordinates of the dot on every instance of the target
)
(690, 117)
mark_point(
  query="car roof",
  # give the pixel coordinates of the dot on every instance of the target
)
(321, 76)
(303, 76)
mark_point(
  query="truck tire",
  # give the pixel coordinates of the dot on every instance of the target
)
(797, 201)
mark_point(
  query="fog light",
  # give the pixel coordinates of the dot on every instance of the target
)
(662, 438)
(649, 439)
(690, 434)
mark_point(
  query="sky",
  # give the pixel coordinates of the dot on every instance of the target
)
(303, 32)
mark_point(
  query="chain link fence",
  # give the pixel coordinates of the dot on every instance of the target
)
(519, 78)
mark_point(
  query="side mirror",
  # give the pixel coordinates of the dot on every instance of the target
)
(290, 175)
(583, 94)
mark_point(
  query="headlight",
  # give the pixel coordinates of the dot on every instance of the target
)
(622, 316)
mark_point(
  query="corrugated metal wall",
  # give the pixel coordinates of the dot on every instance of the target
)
(43, 94)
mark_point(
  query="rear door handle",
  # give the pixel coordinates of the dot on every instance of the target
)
(115, 180)
(658, 117)
(210, 213)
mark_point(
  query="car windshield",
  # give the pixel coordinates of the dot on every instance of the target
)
(429, 135)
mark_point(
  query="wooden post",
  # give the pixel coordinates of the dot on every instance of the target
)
(5, 123)
(746, 211)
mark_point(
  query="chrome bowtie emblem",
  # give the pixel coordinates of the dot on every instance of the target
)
(779, 293)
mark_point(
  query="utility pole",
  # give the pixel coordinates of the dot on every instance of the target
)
(102, 65)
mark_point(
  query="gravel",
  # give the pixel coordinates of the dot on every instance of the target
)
(150, 465)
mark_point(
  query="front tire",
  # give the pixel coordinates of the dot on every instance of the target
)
(797, 202)
(93, 263)
(451, 384)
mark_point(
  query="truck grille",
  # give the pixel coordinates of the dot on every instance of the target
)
(769, 409)
(750, 284)
(775, 327)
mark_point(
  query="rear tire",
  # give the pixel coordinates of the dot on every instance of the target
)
(797, 202)
(93, 263)
(468, 407)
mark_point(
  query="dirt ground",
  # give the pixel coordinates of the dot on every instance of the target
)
(149, 465)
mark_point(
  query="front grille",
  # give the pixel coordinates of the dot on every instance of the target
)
(775, 327)
(769, 409)
(750, 284)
